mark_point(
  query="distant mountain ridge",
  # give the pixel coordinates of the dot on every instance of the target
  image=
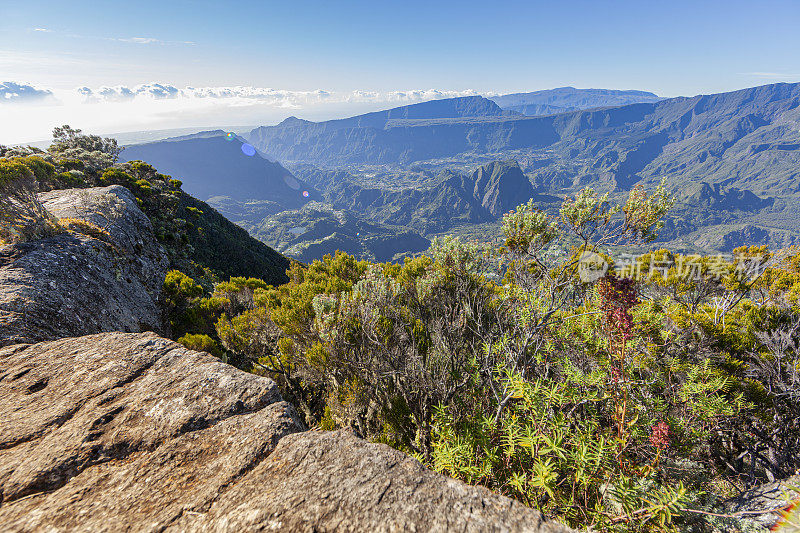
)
(743, 145)
(618, 145)
(466, 106)
(565, 99)
(296, 139)
(211, 165)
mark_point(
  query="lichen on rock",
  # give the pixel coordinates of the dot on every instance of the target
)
(74, 284)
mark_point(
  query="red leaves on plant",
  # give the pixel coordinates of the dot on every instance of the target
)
(659, 436)
(617, 296)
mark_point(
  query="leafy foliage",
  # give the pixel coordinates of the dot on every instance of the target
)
(622, 402)
(22, 216)
(93, 149)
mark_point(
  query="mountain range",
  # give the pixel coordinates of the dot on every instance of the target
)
(448, 199)
(626, 137)
(564, 99)
(731, 159)
(318, 229)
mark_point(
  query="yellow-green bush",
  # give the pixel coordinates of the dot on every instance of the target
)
(201, 343)
(22, 216)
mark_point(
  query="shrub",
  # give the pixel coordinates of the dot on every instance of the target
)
(115, 176)
(188, 311)
(67, 140)
(42, 170)
(72, 164)
(85, 228)
(144, 186)
(22, 215)
(72, 178)
(202, 343)
(141, 170)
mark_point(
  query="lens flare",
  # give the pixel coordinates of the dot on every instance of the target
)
(248, 149)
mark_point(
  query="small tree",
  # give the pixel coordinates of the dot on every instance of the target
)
(72, 143)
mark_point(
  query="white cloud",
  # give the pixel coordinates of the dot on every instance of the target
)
(266, 95)
(148, 40)
(122, 92)
(140, 40)
(773, 75)
(121, 108)
(134, 40)
(20, 93)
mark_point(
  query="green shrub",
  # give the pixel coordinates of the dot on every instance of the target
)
(69, 143)
(72, 164)
(201, 343)
(42, 170)
(144, 186)
(73, 178)
(187, 308)
(141, 170)
(22, 215)
(114, 176)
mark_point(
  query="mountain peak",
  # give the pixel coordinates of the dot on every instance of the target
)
(293, 121)
(501, 186)
(464, 106)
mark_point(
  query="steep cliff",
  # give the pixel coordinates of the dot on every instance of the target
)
(501, 186)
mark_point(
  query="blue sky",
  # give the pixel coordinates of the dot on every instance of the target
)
(381, 48)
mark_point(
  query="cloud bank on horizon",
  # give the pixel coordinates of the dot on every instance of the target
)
(12, 93)
(29, 113)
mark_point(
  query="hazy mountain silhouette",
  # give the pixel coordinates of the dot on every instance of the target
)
(564, 99)
(210, 165)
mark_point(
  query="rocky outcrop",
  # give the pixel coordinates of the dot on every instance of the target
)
(726, 238)
(134, 432)
(334, 481)
(759, 507)
(75, 284)
(126, 431)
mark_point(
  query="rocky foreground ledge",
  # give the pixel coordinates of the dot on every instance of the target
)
(124, 431)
